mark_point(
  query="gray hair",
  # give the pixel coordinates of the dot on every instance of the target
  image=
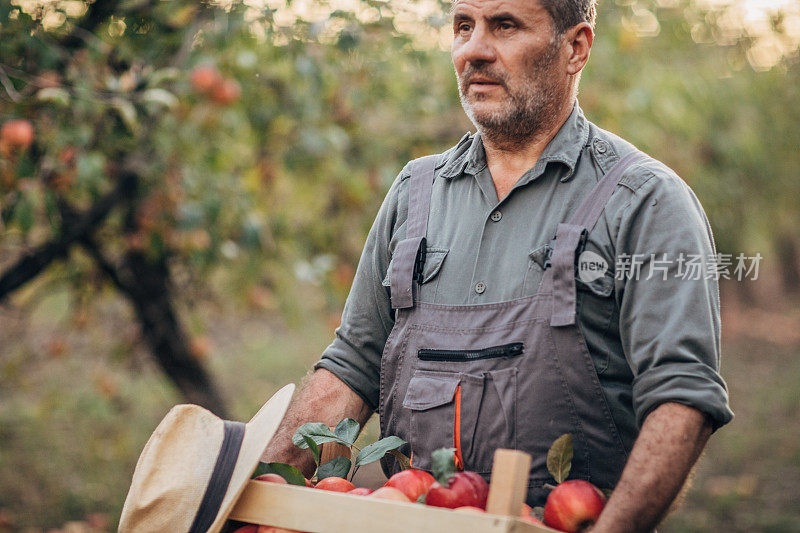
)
(567, 13)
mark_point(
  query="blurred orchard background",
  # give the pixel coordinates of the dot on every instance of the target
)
(186, 186)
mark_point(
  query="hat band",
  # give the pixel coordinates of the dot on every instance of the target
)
(220, 477)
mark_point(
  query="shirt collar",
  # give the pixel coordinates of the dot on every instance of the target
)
(564, 148)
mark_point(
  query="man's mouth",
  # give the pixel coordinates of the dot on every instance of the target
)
(486, 82)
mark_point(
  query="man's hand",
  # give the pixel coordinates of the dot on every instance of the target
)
(322, 398)
(669, 443)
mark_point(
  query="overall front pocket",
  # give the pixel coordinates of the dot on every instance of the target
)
(431, 399)
(474, 413)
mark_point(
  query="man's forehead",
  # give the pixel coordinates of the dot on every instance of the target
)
(521, 7)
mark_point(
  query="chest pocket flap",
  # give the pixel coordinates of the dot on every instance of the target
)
(427, 390)
(602, 286)
(434, 257)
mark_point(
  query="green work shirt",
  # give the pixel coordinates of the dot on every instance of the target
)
(652, 330)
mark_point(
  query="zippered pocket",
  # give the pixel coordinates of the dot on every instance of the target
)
(506, 350)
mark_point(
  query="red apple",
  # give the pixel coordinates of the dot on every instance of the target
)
(335, 484)
(225, 92)
(16, 135)
(470, 509)
(460, 491)
(413, 483)
(249, 528)
(204, 78)
(573, 506)
(526, 516)
(272, 478)
(481, 487)
(360, 491)
(389, 493)
(531, 520)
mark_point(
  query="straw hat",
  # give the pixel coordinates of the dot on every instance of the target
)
(172, 487)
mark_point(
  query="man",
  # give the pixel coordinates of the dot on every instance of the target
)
(489, 308)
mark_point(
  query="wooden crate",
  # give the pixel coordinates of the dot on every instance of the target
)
(321, 511)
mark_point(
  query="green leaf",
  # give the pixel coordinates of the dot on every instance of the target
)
(163, 75)
(376, 450)
(127, 112)
(559, 457)
(161, 97)
(319, 432)
(347, 430)
(443, 465)
(336, 467)
(313, 447)
(405, 462)
(56, 95)
(292, 475)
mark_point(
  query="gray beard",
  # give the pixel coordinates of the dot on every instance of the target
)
(530, 111)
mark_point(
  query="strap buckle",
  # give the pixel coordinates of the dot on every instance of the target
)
(419, 262)
(552, 246)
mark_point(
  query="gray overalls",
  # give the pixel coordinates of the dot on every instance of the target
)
(514, 374)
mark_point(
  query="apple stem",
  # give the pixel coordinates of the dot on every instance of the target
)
(548, 486)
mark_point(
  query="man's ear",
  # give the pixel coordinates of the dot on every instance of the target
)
(579, 38)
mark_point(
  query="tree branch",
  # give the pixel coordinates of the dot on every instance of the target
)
(30, 265)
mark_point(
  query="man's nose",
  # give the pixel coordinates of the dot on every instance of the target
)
(478, 48)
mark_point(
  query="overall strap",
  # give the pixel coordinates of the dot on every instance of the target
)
(570, 236)
(589, 211)
(409, 254)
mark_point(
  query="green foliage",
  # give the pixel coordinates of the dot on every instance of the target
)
(443, 464)
(336, 467)
(559, 457)
(377, 450)
(347, 430)
(292, 475)
(281, 183)
(311, 435)
(328, 113)
(318, 433)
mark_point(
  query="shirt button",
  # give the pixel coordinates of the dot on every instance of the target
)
(480, 287)
(601, 146)
(496, 216)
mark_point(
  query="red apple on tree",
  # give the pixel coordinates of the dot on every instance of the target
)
(204, 78)
(16, 135)
(225, 92)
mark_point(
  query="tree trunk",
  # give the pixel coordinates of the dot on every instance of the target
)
(789, 263)
(146, 283)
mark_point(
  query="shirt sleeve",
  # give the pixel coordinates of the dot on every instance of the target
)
(354, 356)
(669, 299)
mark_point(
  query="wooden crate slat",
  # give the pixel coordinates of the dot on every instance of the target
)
(320, 511)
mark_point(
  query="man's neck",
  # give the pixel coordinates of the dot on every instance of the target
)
(507, 162)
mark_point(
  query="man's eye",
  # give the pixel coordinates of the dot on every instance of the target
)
(464, 27)
(505, 25)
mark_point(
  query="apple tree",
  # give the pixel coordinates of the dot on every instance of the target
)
(149, 144)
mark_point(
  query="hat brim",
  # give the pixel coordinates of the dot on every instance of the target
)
(258, 432)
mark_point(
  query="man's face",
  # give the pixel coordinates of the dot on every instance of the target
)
(508, 61)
